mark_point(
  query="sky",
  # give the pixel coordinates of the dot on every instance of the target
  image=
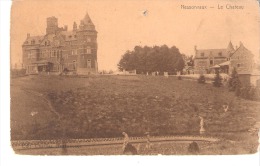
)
(121, 25)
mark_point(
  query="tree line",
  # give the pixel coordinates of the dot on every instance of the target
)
(152, 59)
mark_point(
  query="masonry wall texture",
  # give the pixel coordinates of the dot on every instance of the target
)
(62, 50)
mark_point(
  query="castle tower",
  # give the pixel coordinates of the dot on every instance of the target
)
(87, 39)
(52, 25)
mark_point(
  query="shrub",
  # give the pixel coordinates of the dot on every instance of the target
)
(234, 82)
(193, 148)
(217, 82)
(249, 93)
(66, 71)
(18, 72)
(237, 90)
(257, 94)
(201, 79)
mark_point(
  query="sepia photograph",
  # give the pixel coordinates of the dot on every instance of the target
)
(109, 77)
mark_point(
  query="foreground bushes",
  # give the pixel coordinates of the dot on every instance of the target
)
(202, 79)
(18, 72)
(249, 93)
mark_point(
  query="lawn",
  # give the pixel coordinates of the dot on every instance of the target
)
(104, 106)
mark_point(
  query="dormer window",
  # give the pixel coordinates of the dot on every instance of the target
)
(33, 42)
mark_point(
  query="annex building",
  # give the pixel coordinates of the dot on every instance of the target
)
(226, 59)
(61, 50)
(206, 61)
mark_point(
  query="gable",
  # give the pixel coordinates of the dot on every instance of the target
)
(242, 53)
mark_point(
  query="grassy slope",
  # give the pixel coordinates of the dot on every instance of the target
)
(105, 106)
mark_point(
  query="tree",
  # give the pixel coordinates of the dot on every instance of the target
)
(234, 82)
(217, 82)
(152, 59)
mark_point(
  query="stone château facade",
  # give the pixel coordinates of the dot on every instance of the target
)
(62, 50)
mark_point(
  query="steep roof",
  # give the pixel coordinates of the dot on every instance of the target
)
(86, 24)
(69, 35)
(242, 51)
(33, 40)
(86, 20)
(211, 53)
(215, 53)
(230, 48)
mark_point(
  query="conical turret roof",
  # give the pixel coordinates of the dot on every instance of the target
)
(86, 19)
(230, 48)
(86, 23)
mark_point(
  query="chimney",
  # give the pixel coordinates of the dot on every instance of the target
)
(28, 35)
(74, 26)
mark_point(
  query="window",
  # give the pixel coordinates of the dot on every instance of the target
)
(202, 54)
(74, 52)
(238, 65)
(88, 39)
(74, 64)
(89, 63)
(211, 62)
(33, 42)
(88, 50)
(29, 55)
(53, 53)
(220, 54)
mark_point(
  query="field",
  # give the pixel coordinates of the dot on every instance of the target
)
(55, 107)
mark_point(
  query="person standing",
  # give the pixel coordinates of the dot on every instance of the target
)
(148, 141)
(126, 141)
